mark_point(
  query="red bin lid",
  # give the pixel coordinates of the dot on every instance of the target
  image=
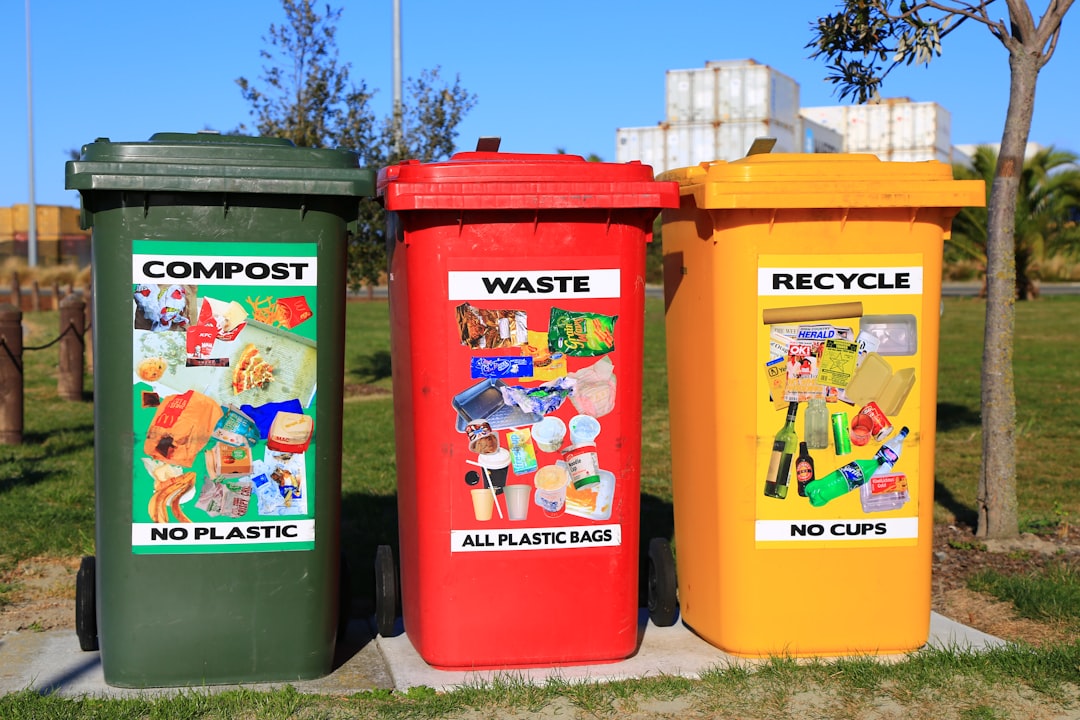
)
(509, 181)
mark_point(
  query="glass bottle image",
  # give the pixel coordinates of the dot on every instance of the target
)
(783, 451)
(816, 424)
(804, 469)
(853, 475)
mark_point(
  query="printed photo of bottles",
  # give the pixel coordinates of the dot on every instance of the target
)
(813, 365)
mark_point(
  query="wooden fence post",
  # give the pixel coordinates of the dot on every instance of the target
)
(35, 297)
(56, 296)
(16, 291)
(11, 377)
(69, 385)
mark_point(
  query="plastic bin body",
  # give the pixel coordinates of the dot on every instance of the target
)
(524, 238)
(237, 592)
(775, 236)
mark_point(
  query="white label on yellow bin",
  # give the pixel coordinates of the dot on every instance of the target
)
(809, 313)
(544, 538)
(860, 528)
(803, 280)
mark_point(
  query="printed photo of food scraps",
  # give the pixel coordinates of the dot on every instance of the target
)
(481, 328)
(281, 312)
(164, 307)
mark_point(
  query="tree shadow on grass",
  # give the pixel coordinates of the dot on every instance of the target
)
(964, 514)
(372, 367)
(951, 416)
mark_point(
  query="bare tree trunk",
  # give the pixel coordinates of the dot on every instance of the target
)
(997, 483)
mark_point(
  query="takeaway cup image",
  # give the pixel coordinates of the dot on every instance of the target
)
(582, 463)
(551, 481)
(583, 429)
(494, 467)
(549, 434)
(517, 501)
(483, 502)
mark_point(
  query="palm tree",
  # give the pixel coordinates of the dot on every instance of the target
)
(1047, 205)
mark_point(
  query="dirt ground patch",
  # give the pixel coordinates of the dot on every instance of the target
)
(41, 595)
(42, 590)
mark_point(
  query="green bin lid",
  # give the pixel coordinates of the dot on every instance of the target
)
(209, 162)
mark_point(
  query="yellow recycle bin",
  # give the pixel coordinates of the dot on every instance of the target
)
(802, 298)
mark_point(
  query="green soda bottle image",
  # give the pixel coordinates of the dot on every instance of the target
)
(855, 474)
(783, 450)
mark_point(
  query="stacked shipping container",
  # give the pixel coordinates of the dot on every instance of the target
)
(716, 112)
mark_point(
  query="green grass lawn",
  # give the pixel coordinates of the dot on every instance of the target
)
(47, 483)
(47, 509)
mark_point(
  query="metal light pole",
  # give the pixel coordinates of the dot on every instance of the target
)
(397, 79)
(31, 237)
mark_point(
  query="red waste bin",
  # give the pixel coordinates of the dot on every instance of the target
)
(517, 287)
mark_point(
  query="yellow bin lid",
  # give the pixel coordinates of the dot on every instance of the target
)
(821, 180)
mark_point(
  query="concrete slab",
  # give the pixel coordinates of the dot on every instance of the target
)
(52, 662)
(674, 650)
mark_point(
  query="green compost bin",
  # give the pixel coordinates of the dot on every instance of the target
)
(218, 326)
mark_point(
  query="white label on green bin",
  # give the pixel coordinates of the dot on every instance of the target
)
(223, 396)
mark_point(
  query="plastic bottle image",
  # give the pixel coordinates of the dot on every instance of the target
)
(804, 469)
(783, 450)
(853, 475)
(816, 424)
(890, 451)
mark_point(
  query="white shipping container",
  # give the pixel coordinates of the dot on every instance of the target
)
(917, 155)
(669, 147)
(817, 138)
(731, 91)
(833, 117)
(647, 144)
(925, 124)
(889, 128)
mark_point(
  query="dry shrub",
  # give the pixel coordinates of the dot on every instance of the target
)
(963, 270)
(14, 265)
(58, 274)
(1060, 267)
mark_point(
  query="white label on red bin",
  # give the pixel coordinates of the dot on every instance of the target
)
(549, 538)
(533, 284)
(861, 529)
(840, 281)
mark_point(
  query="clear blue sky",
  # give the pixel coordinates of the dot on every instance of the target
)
(548, 75)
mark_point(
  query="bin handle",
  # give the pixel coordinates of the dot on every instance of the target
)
(761, 146)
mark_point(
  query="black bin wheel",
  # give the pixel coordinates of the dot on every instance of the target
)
(663, 605)
(344, 598)
(86, 604)
(386, 594)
